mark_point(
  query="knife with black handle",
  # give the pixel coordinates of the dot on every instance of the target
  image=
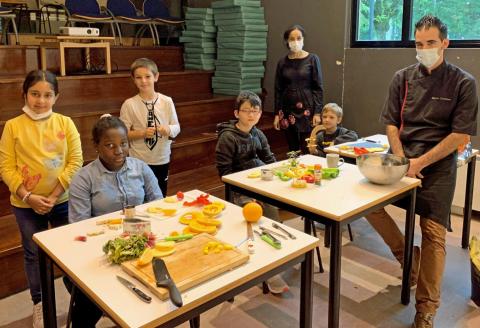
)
(164, 280)
(144, 297)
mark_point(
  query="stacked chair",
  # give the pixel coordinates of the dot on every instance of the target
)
(7, 16)
(241, 46)
(199, 39)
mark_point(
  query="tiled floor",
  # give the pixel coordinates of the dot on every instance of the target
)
(370, 291)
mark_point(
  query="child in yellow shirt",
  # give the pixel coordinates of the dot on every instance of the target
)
(40, 151)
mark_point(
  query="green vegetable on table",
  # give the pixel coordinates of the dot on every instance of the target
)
(120, 249)
(283, 177)
(330, 173)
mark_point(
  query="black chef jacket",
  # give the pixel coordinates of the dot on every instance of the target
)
(427, 108)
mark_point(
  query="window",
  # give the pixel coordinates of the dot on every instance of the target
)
(391, 23)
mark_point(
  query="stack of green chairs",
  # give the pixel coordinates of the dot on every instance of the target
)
(199, 38)
(241, 46)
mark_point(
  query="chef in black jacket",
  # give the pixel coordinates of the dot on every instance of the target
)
(431, 107)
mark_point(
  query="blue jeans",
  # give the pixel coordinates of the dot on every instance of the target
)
(30, 223)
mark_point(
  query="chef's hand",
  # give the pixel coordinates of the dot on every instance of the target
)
(164, 130)
(416, 166)
(276, 123)
(317, 119)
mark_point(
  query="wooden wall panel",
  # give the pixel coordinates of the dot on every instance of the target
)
(18, 60)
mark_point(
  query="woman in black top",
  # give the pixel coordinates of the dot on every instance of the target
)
(298, 91)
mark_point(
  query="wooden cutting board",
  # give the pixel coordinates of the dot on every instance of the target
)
(188, 266)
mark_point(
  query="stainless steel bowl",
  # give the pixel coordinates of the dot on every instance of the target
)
(383, 168)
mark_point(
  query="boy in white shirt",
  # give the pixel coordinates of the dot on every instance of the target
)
(151, 121)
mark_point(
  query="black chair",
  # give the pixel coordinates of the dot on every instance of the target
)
(124, 12)
(160, 15)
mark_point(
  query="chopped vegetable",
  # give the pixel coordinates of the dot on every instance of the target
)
(95, 233)
(216, 247)
(330, 173)
(80, 238)
(180, 195)
(360, 150)
(199, 201)
(125, 248)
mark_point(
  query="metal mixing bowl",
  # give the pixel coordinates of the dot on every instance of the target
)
(383, 168)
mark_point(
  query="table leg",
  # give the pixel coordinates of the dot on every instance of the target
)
(107, 59)
(407, 258)
(467, 208)
(306, 291)
(195, 322)
(48, 290)
(43, 57)
(88, 61)
(335, 270)
(61, 48)
(228, 193)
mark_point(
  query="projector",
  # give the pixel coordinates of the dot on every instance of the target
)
(79, 31)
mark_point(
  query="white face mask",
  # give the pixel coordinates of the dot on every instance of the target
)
(35, 116)
(295, 46)
(428, 57)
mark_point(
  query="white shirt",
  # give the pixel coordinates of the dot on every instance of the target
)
(134, 114)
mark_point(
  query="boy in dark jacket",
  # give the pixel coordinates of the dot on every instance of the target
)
(242, 146)
(333, 134)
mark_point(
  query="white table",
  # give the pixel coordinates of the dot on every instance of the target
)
(86, 265)
(336, 203)
(470, 160)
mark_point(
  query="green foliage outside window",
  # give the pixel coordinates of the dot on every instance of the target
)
(381, 20)
(461, 16)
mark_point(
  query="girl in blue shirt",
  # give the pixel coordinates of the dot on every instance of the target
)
(113, 180)
(107, 184)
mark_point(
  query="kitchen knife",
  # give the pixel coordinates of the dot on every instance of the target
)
(250, 240)
(144, 297)
(276, 226)
(164, 280)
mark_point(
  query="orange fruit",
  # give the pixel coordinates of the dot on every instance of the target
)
(252, 212)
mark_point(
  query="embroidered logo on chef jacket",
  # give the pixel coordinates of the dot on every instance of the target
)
(441, 98)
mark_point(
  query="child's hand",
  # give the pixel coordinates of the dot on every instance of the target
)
(317, 119)
(149, 132)
(276, 123)
(40, 204)
(164, 130)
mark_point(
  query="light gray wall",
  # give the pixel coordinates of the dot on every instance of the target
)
(361, 82)
(323, 21)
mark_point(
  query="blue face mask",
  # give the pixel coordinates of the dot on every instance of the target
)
(428, 57)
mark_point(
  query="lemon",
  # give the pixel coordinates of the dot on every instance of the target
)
(254, 175)
(146, 257)
(157, 253)
(164, 245)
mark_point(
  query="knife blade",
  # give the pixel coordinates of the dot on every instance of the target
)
(144, 297)
(250, 239)
(164, 280)
(276, 226)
